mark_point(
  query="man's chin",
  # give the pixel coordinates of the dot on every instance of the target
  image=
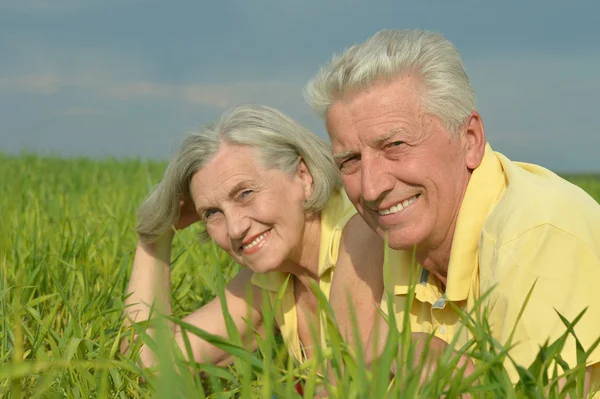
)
(398, 241)
(397, 238)
(402, 246)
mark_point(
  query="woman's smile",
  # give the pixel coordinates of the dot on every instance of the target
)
(255, 243)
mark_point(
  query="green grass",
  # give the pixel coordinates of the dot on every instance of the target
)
(66, 248)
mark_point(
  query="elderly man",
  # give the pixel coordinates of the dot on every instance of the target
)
(414, 159)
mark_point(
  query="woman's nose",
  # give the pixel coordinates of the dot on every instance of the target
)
(238, 225)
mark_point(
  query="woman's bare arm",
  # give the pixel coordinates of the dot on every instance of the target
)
(357, 283)
(150, 283)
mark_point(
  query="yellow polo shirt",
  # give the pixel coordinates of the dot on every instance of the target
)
(337, 212)
(518, 223)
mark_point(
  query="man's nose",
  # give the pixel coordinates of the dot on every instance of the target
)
(376, 180)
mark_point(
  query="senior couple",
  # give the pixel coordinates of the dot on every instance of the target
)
(409, 162)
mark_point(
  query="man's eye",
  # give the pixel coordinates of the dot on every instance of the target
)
(349, 165)
(245, 194)
(395, 144)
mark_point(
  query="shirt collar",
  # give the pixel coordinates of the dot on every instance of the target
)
(334, 217)
(486, 185)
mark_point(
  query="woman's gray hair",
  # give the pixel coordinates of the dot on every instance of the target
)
(390, 54)
(281, 141)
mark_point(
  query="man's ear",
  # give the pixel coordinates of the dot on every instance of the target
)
(306, 177)
(474, 141)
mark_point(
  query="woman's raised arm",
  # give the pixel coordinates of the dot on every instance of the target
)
(150, 283)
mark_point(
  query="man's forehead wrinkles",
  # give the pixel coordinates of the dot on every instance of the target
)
(370, 142)
(370, 120)
(389, 110)
(378, 140)
(357, 129)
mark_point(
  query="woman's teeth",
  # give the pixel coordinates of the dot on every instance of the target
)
(255, 241)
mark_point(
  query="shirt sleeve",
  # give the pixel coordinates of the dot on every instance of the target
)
(566, 274)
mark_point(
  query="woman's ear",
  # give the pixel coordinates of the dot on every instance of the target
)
(306, 177)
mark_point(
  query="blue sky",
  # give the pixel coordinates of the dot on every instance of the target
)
(130, 77)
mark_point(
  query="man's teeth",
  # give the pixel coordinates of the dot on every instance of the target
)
(256, 240)
(398, 207)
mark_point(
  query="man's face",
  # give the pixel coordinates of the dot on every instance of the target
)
(403, 171)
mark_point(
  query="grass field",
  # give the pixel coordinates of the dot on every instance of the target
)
(66, 246)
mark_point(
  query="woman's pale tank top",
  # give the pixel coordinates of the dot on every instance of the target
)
(337, 212)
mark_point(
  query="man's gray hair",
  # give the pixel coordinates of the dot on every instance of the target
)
(390, 54)
(281, 142)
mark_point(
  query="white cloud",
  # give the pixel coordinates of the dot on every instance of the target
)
(42, 84)
(211, 95)
(80, 111)
(138, 90)
(226, 94)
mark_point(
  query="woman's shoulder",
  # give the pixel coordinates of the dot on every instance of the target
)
(360, 258)
(358, 236)
(343, 232)
(359, 245)
(338, 210)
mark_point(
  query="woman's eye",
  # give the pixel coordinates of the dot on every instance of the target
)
(209, 213)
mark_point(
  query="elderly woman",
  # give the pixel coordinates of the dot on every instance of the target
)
(268, 192)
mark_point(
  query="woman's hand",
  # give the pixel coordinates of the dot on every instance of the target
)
(187, 215)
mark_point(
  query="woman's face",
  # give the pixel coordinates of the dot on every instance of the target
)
(255, 214)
